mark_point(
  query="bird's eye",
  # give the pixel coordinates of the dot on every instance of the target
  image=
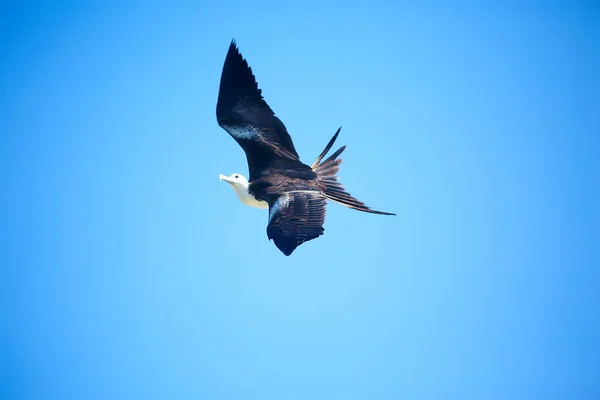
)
(237, 176)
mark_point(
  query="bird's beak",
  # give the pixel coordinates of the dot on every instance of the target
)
(224, 178)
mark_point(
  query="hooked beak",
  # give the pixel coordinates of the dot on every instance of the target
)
(225, 178)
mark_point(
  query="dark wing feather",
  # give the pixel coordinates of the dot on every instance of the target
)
(296, 217)
(243, 112)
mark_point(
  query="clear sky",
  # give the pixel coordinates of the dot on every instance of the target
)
(128, 271)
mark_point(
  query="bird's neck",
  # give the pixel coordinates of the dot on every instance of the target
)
(248, 199)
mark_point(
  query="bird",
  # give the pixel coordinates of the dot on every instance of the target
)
(295, 193)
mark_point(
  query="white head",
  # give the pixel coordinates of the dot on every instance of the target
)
(236, 181)
(239, 183)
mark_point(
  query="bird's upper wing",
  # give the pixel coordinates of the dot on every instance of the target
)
(243, 112)
(296, 217)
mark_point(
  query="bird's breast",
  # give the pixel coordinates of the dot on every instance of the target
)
(253, 202)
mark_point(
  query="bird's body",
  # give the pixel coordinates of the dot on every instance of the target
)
(295, 193)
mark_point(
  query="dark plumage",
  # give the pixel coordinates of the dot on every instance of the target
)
(296, 193)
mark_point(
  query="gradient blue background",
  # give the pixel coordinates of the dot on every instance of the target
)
(129, 271)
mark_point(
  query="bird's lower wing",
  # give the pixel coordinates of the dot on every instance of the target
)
(296, 217)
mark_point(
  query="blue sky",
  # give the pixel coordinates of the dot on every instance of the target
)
(130, 271)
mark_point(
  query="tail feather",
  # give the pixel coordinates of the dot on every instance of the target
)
(334, 156)
(334, 190)
(327, 148)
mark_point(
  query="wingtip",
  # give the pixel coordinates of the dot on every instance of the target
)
(286, 247)
(233, 46)
(370, 210)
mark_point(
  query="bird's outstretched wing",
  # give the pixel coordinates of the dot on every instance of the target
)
(243, 112)
(296, 217)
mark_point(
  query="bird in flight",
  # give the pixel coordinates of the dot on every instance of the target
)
(295, 194)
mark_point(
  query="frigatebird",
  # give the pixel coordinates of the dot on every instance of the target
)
(295, 194)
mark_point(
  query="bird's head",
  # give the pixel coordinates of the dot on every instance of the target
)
(236, 181)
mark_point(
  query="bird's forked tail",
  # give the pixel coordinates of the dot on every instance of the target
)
(334, 190)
